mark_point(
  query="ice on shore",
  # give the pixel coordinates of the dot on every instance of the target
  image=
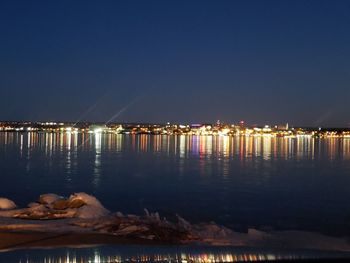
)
(7, 204)
(84, 213)
(92, 208)
(48, 198)
(52, 206)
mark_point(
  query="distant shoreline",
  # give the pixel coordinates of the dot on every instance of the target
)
(218, 129)
(291, 136)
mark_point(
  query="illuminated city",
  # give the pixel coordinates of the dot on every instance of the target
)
(217, 129)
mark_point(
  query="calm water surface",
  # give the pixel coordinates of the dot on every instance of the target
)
(146, 254)
(241, 182)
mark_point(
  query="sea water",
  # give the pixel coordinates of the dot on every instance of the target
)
(241, 182)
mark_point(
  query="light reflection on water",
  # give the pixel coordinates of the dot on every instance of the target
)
(257, 146)
(257, 181)
(161, 254)
(206, 147)
(183, 146)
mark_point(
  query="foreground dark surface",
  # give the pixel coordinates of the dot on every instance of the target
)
(157, 253)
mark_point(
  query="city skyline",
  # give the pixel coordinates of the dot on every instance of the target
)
(218, 122)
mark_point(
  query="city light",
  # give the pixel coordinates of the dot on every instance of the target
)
(217, 129)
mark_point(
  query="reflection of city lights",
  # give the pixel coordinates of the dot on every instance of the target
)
(299, 147)
(176, 257)
(207, 150)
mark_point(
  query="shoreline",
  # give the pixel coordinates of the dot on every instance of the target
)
(81, 220)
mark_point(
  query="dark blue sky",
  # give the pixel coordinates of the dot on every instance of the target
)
(178, 61)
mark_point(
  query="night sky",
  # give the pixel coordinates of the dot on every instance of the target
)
(177, 61)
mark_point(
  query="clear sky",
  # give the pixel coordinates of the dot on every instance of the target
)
(178, 61)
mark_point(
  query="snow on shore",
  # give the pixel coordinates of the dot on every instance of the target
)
(81, 213)
(6, 204)
(52, 206)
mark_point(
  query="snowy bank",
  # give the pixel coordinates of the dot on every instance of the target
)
(83, 213)
(52, 206)
(6, 204)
